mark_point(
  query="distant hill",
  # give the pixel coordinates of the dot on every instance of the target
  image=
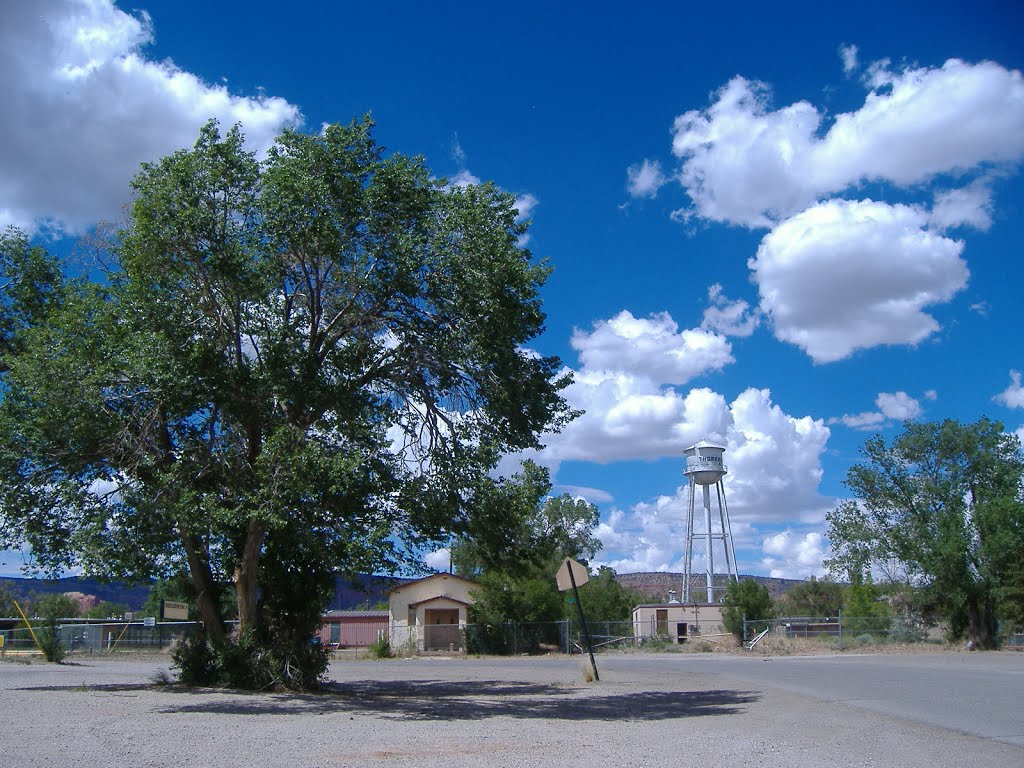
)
(360, 591)
(132, 595)
(363, 590)
(657, 585)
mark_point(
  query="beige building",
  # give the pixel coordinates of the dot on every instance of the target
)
(429, 614)
(677, 621)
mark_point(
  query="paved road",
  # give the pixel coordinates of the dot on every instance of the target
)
(981, 694)
(648, 711)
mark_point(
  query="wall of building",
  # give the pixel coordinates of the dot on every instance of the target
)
(665, 618)
(412, 604)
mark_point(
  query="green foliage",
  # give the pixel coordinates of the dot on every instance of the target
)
(906, 627)
(380, 648)
(814, 597)
(943, 502)
(604, 599)
(105, 608)
(176, 587)
(7, 608)
(748, 598)
(51, 645)
(31, 282)
(51, 609)
(516, 528)
(55, 606)
(293, 368)
(249, 664)
(519, 544)
(863, 610)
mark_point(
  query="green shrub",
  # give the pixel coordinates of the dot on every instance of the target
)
(194, 659)
(249, 665)
(51, 645)
(381, 648)
(906, 628)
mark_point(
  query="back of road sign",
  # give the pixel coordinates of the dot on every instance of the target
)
(579, 573)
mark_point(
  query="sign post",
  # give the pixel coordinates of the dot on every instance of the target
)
(570, 575)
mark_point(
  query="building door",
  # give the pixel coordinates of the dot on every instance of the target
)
(661, 617)
(441, 630)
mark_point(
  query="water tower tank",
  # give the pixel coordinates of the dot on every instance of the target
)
(704, 463)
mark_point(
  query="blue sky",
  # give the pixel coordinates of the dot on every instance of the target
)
(783, 230)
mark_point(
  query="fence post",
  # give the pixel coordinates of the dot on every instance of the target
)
(744, 626)
(840, 629)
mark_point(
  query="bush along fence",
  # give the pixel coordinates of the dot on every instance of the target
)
(844, 631)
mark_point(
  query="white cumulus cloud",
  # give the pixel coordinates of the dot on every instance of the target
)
(1013, 395)
(892, 406)
(652, 347)
(645, 179)
(439, 560)
(848, 54)
(847, 275)
(84, 107)
(727, 317)
(774, 474)
(628, 418)
(898, 405)
(746, 163)
(790, 556)
(969, 206)
(524, 205)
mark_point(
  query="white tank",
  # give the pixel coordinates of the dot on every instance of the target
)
(704, 464)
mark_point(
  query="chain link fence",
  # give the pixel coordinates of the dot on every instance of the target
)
(842, 631)
(511, 638)
(100, 638)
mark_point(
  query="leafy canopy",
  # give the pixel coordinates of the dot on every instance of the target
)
(292, 367)
(745, 599)
(943, 503)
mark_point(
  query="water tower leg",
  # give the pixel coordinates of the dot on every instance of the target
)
(688, 546)
(711, 555)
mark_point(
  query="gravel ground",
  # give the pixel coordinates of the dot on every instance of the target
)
(454, 712)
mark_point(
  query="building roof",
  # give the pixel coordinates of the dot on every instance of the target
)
(428, 578)
(357, 614)
(435, 598)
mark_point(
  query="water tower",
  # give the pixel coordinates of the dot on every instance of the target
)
(704, 467)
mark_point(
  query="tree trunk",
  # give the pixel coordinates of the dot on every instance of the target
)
(205, 588)
(981, 629)
(245, 575)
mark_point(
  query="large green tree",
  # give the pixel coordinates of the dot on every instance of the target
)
(518, 527)
(292, 367)
(944, 501)
(814, 597)
(604, 599)
(748, 600)
(515, 565)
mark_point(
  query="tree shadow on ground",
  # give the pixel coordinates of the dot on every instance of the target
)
(440, 700)
(476, 700)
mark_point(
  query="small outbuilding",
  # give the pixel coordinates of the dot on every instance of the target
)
(430, 614)
(353, 629)
(677, 621)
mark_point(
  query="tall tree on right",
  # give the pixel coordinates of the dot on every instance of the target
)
(944, 501)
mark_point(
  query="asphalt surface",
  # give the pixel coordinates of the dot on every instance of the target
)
(647, 711)
(981, 694)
